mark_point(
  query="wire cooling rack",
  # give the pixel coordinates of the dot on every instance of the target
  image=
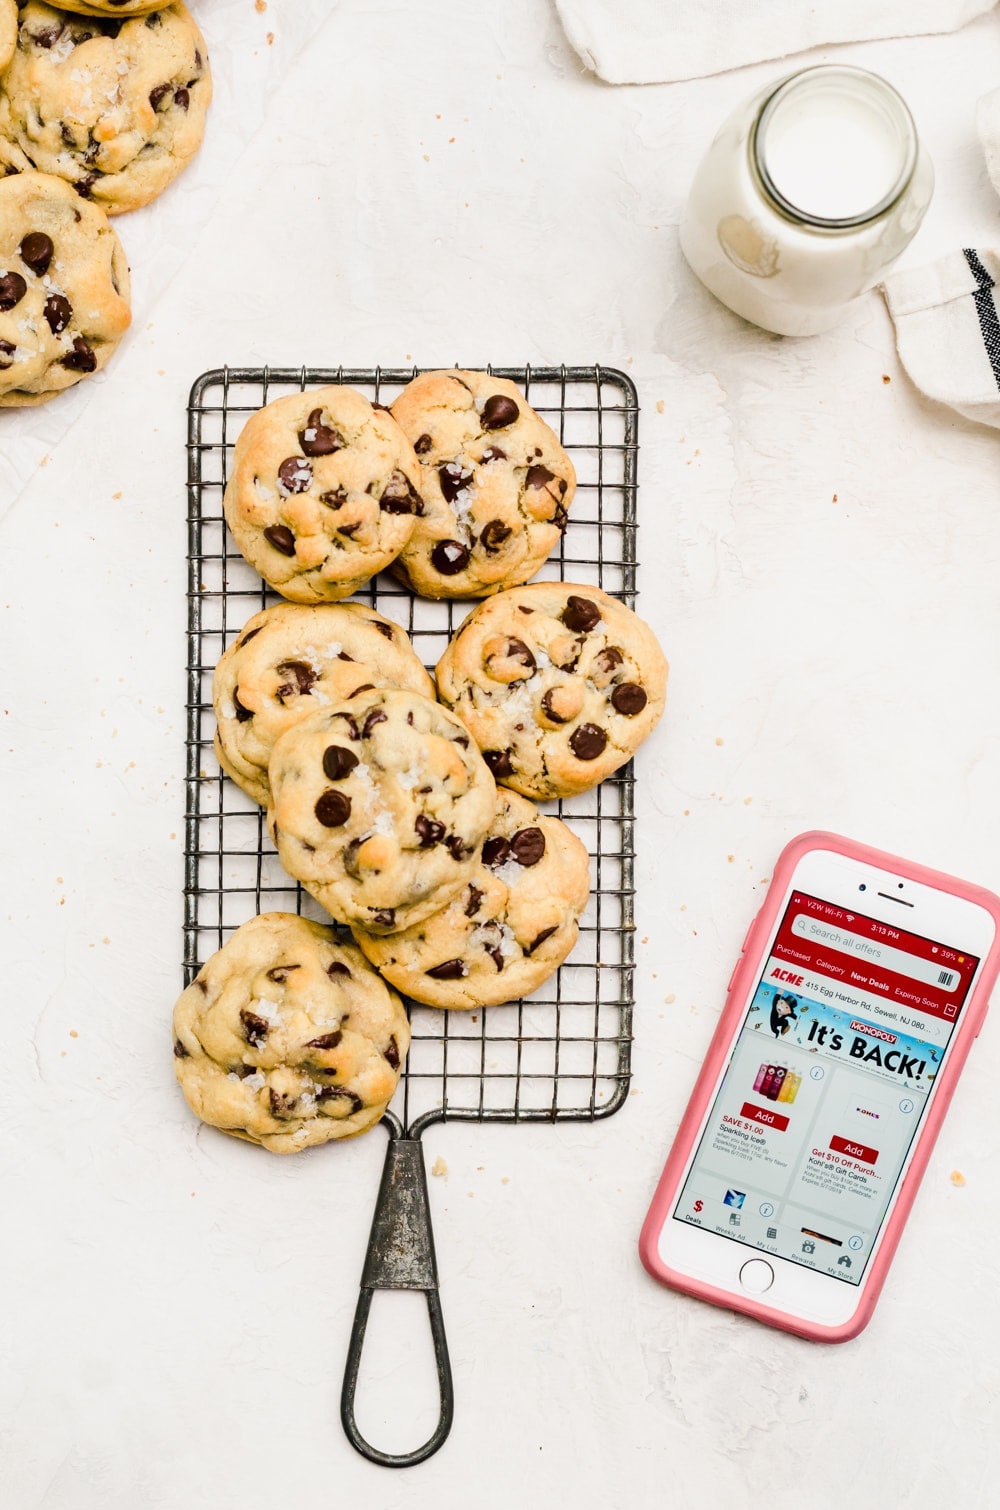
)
(565, 1052)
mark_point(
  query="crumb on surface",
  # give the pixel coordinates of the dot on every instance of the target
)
(886, 378)
(957, 1178)
(439, 1168)
(659, 406)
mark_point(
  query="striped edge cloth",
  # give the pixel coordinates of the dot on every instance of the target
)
(948, 330)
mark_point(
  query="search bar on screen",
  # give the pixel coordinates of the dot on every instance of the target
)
(882, 956)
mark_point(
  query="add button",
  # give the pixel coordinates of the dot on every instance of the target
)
(856, 1150)
(763, 1115)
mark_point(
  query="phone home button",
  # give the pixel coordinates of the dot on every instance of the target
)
(756, 1276)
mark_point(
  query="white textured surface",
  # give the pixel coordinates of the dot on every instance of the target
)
(176, 1306)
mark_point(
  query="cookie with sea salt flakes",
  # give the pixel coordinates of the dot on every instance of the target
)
(558, 683)
(64, 289)
(288, 1038)
(510, 927)
(8, 31)
(114, 106)
(292, 659)
(322, 493)
(378, 806)
(495, 481)
(113, 7)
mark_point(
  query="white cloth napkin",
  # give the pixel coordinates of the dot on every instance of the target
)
(660, 41)
(946, 316)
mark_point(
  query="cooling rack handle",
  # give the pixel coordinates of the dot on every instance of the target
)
(400, 1257)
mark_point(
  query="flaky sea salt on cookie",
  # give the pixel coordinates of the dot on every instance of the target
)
(288, 1038)
(379, 806)
(116, 107)
(323, 493)
(558, 683)
(508, 930)
(291, 660)
(496, 483)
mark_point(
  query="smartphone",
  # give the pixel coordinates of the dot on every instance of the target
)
(868, 979)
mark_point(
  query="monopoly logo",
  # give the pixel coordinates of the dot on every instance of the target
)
(864, 1027)
(790, 977)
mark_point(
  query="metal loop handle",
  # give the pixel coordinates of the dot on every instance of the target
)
(400, 1257)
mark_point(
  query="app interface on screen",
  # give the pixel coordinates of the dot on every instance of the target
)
(826, 1087)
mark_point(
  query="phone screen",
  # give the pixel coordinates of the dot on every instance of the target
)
(825, 1090)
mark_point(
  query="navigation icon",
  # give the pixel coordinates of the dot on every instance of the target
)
(855, 1242)
(843, 1261)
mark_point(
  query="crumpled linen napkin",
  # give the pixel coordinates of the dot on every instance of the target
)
(946, 314)
(661, 41)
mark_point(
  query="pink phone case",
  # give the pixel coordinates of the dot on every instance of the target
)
(743, 977)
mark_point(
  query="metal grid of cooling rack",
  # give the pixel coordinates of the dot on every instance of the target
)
(565, 1052)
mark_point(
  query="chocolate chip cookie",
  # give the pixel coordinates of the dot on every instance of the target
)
(322, 494)
(378, 806)
(64, 289)
(8, 31)
(288, 1038)
(114, 7)
(289, 661)
(116, 107)
(509, 928)
(495, 481)
(559, 685)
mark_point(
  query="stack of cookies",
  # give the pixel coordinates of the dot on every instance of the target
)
(102, 104)
(403, 808)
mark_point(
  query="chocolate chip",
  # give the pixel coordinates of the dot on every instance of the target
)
(450, 557)
(372, 721)
(157, 95)
(385, 917)
(336, 968)
(248, 637)
(528, 846)
(400, 497)
(522, 609)
(351, 859)
(243, 715)
(538, 477)
(494, 534)
(499, 762)
(47, 38)
(153, 20)
(338, 762)
(281, 538)
(495, 851)
(580, 614)
(334, 498)
(588, 741)
(84, 185)
(540, 938)
(560, 518)
(392, 1053)
(494, 453)
(422, 444)
(629, 699)
(352, 728)
(472, 905)
(368, 687)
(295, 474)
(81, 358)
(451, 969)
(518, 651)
(499, 411)
(318, 439)
(606, 660)
(549, 711)
(254, 1027)
(12, 290)
(281, 1105)
(280, 973)
(326, 1040)
(180, 1052)
(457, 847)
(182, 99)
(199, 61)
(201, 985)
(429, 831)
(58, 311)
(496, 955)
(384, 629)
(333, 809)
(350, 530)
(453, 478)
(36, 251)
(342, 655)
(340, 1093)
(7, 349)
(302, 679)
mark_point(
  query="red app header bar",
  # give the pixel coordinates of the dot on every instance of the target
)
(905, 968)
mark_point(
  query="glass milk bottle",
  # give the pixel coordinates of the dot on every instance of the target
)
(808, 192)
